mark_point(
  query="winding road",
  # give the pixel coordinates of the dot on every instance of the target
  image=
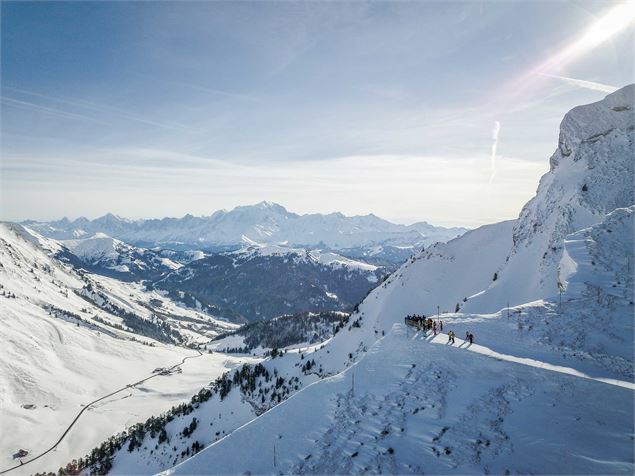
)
(87, 406)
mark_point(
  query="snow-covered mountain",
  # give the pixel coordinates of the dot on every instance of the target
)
(264, 281)
(264, 222)
(69, 338)
(258, 281)
(591, 174)
(547, 388)
(105, 255)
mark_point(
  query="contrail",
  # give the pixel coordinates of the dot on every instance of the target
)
(495, 131)
(583, 84)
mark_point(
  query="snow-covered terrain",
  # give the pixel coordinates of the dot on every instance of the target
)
(264, 222)
(102, 253)
(60, 351)
(412, 407)
(546, 388)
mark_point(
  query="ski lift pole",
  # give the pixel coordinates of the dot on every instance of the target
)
(353, 383)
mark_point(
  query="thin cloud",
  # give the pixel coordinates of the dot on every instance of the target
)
(204, 89)
(47, 110)
(87, 106)
(583, 83)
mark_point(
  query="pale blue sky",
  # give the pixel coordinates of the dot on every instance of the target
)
(150, 109)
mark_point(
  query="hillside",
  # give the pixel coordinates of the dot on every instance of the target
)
(265, 281)
(292, 330)
(412, 407)
(62, 351)
(111, 257)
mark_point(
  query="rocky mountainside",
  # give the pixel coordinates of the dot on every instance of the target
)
(264, 222)
(591, 174)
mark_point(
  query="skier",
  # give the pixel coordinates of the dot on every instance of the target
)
(440, 326)
(471, 338)
(451, 337)
(467, 335)
(434, 328)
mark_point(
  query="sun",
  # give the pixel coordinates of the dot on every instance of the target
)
(617, 19)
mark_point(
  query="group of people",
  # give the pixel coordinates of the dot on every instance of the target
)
(429, 324)
(426, 324)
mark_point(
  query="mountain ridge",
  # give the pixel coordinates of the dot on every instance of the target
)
(266, 222)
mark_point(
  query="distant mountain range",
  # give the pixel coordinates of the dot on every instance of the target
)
(264, 222)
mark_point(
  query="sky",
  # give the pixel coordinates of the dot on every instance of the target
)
(440, 111)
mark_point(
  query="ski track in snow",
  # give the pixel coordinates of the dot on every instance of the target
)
(442, 338)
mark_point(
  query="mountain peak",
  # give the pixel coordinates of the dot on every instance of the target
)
(266, 204)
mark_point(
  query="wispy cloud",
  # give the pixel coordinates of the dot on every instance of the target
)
(583, 83)
(85, 105)
(204, 89)
(30, 106)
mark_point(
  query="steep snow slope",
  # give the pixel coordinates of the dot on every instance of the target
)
(412, 407)
(60, 352)
(591, 174)
(264, 222)
(145, 312)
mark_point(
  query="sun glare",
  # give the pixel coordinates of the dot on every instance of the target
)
(618, 18)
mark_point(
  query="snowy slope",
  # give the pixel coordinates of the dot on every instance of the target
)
(264, 222)
(60, 352)
(103, 254)
(413, 407)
